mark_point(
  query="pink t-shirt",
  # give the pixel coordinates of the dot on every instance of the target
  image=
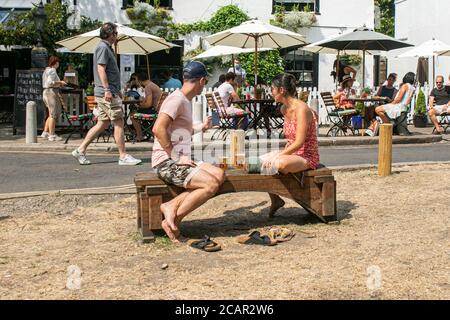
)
(179, 108)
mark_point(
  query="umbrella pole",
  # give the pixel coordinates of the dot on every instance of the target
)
(337, 69)
(148, 66)
(363, 76)
(234, 66)
(433, 72)
(256, 63)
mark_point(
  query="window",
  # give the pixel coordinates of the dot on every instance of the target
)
(303, 65)
(314, 5)
(162, 3)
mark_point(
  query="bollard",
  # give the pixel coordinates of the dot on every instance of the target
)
(315, 106)
(31, 123)
(197, 117)
(385, 150)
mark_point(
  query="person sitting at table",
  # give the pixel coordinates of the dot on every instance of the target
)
(438, 102)
(146, 105)
(219, 82)
(300, 128)
(344, 70)
(170, 82)
(387, 89)
(400, 103)
(341, 97)
(228, 95)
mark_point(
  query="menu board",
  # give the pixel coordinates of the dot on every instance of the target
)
(28, 88)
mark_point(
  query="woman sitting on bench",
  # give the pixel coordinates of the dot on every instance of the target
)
(300, 128)
(401, 101)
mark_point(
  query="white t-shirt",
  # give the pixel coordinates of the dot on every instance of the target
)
(225, 90)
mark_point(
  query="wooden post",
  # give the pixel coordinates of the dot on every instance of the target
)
(385, 150)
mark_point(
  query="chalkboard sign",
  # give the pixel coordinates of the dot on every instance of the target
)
(28, 88)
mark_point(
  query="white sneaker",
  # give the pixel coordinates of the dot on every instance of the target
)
(129, 161)
(80, 157)
(44, 135)
(54, 138)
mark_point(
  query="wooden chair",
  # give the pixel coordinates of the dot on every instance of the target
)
(226, 118)
(340, 118)
(147, 120)
(82, 122)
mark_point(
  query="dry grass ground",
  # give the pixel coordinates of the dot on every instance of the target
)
(399, 224)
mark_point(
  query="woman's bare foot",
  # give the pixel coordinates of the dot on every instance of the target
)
(170, 213)
(276, 204)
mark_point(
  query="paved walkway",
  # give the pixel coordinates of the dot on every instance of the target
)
(8, 142)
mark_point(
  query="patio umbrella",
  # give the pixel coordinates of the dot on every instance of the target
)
(366, 40)
(129, 41)
(255, 34)
(426, 49)
(422, 70)
(317, 47)
(218, 51)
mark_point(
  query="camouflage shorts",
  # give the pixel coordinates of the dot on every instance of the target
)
(171, 173)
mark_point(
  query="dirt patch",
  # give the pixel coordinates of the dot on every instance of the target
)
(392, 243)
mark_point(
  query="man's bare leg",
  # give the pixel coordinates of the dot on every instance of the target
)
(92, 134)
(434, 120)
(204, 187)
(119, 137)
(169, 210)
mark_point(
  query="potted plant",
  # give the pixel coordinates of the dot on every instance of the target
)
(420, 111)
(90, 99)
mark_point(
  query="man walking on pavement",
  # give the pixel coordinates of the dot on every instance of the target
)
(108, 97)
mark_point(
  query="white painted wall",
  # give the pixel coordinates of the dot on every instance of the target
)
(339, 16)
(417, 21)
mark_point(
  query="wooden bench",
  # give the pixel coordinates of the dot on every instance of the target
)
(314, 190)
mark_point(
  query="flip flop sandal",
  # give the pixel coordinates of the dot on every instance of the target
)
(255, 237)
(281, 234)
(206, 244)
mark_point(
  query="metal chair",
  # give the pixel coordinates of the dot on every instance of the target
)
(340, 118)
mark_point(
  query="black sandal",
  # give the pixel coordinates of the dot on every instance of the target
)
(206, 244)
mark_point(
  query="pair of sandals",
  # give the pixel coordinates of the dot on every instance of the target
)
(272, 237)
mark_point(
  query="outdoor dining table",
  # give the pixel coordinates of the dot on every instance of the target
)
(364, 100)
(265, 111)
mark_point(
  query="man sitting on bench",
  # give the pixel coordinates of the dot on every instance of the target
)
(300, 128)
(171, 157)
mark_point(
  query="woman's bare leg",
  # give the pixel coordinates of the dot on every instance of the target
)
(276, 203)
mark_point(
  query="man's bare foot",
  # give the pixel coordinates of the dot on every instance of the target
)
(174, 236)
(276, 204)
(170, 213)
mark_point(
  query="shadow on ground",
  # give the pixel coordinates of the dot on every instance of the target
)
(240, 221)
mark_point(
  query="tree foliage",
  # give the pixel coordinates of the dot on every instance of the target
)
(270, 64)
(21, 29)
(387, 17)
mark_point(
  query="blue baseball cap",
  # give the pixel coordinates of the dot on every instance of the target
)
(194, 70)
